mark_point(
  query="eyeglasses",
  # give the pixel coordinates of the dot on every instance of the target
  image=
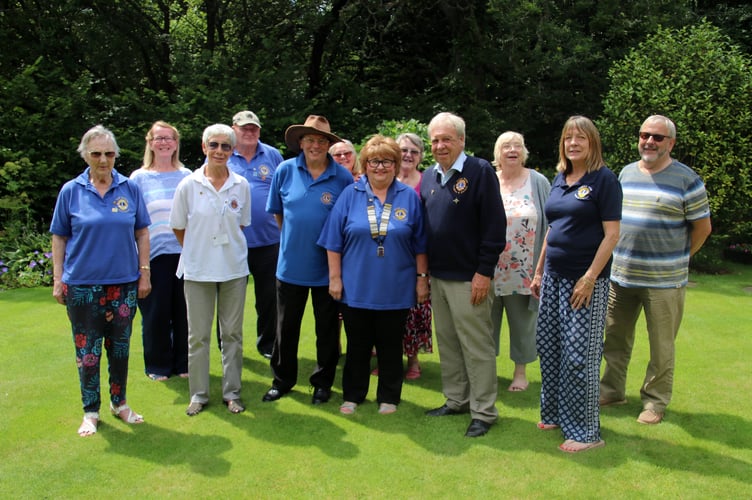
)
(409, 151)
(98, 154)
(656, 137)
(346, 154)
(374, 163)
(507, 146)
(225, 147)
(163, 139)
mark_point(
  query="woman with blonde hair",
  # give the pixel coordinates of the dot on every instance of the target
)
(164, 324)
(571, 280)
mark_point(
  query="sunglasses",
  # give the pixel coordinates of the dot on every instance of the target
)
(656, 137)
(225, 147)
(98, 154)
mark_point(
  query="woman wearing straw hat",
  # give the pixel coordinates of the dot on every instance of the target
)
(303, 192)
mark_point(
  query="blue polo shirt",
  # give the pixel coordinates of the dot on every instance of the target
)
(101, 247)
(305, 204)
(370, 281)
(263, 231)
(575, 217)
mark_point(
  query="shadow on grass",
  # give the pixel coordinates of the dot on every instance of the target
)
(730, 430)
(163, 446)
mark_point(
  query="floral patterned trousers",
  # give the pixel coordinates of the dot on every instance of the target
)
(101, 316)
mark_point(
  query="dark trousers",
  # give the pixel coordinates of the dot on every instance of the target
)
(262, 263)
(291, 304)
(164, 321)
(365, 329)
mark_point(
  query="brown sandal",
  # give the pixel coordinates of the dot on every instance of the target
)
(235, 406)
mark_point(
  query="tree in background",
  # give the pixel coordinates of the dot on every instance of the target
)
(700, 80)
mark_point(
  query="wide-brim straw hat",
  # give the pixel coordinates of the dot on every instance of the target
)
(314, 124)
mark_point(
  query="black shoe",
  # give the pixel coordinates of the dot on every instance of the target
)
(442, 411)
(477, 428)
(321, 395)
(266, 354)
(273, 394)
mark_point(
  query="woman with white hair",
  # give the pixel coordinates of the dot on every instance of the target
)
(524, 193)
(210, 209)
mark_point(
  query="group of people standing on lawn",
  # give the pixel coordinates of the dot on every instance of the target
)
(381, 247)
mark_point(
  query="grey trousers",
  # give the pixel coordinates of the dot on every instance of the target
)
(466, 349)
(200, 299)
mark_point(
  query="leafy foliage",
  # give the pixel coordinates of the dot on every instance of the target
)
(25, 256)
(500, 64)
(696, 77)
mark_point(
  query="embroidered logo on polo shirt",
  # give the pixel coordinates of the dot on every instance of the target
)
(461, 185)
(400, 213)
(264, 171)
(121, 204)
(326, 198)
(233, 204)
(583, 192)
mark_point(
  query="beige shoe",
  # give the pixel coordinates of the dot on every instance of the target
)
(650, 417)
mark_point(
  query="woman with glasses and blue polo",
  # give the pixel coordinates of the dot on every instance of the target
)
(376, 247)
(210, 209)
(100, 255)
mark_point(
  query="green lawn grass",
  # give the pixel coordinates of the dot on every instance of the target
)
(292, 449)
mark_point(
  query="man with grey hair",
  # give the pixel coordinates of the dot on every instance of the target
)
(466, 227)
(257, 162)
(665, 220)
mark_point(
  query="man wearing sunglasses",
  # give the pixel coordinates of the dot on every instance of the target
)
(665, 220)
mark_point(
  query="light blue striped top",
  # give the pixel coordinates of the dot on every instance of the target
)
(159, 189)
(657, 211)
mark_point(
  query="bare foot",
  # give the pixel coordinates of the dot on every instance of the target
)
(572, 446)
(547, 427)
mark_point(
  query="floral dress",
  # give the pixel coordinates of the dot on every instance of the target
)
(514, 270)
(418, 331)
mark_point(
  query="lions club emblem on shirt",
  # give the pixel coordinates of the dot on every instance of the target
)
(326, 198)
(264, 172)
(121, 204)
(461, 185)
(400, 213)
(583, 193)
